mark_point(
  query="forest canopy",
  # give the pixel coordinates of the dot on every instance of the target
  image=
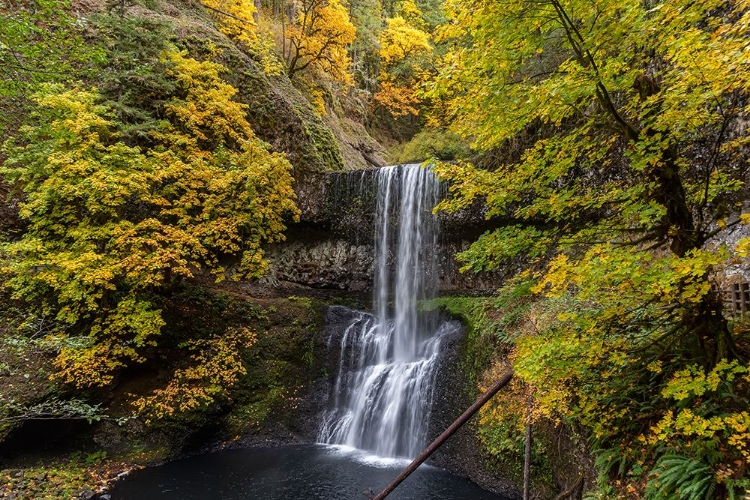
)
(615, 144)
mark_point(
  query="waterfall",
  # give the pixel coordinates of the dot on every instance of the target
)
(383, 391)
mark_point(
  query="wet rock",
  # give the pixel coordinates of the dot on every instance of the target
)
(335, 250)
(333, 264)
(109, 437)
(461, 454)
(86, 494)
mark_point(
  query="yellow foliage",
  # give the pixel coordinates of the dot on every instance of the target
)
(693, 381)
(235, 18)
(412, 14)
(317, 98)
(109, 225)
(404, 51)
(318, 38)
(399, 100)
(215, 368)
(205, 110)
(88, 367)
(689, 427)
(598, 191)
(694, 384)
(557, 278)
(743, 247)
(400, 40)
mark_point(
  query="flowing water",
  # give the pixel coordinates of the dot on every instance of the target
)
(380, 402)
(383, 391)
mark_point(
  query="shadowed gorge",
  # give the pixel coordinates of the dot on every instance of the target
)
(202, 248)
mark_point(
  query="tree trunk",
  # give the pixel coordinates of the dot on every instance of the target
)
(527, 452)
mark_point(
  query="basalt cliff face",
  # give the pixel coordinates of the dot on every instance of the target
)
(331, 248)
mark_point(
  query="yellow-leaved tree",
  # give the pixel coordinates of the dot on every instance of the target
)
(317, 38)
(112, 226)
(618, 144)
(405, 52)
(236, 18)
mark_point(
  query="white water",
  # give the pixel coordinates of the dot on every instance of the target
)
(383, 391)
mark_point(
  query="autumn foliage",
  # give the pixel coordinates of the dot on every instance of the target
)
(610, 151)
(405, 50)
(616, 157)
(110, 225)
(215, 368)
(235, 18)
(317, 38)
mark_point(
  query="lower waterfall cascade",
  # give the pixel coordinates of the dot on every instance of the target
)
(382, 395)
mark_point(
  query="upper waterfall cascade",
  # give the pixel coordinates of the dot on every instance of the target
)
(383, 391)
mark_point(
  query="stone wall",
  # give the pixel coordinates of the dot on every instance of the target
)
(341, 264)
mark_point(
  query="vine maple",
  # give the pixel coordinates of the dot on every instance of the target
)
(404, 51)
(618, 156)
(110, 225)
(317, 37)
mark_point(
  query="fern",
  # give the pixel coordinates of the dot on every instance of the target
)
(738, 489)
(610, 462)
(676, 476)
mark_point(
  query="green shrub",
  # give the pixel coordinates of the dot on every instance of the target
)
(433, 143)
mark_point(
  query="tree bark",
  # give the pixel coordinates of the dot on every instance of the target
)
(527, 452)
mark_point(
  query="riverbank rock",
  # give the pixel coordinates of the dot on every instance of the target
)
(462, 454)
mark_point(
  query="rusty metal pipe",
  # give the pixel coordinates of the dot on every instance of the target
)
(442, 438)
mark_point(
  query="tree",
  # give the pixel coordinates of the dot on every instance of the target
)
(621, 155)
(132, 74)
(405, 52)
(236, 18)
(40, 42)
(112, 225)
(366, 16)
(317, 37)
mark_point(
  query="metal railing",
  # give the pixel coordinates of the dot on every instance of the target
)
(737, 298)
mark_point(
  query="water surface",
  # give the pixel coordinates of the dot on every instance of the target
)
(306, 472)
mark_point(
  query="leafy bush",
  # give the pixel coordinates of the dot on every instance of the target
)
(112, 225)
(434, 143)
(680, 477)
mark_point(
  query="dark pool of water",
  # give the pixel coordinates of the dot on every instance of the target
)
(291, 473)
